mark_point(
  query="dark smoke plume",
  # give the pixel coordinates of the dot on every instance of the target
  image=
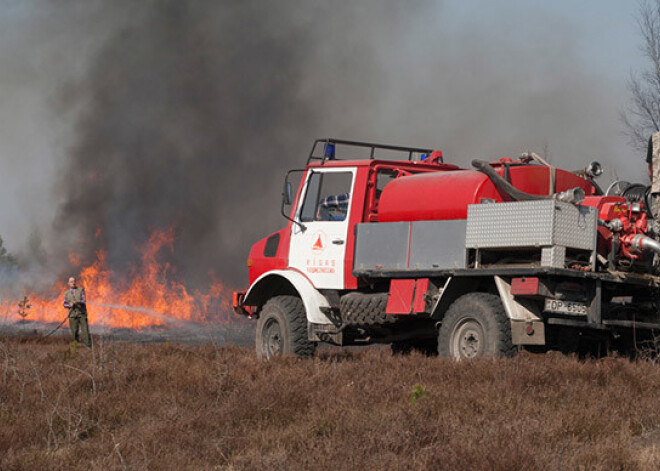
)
(189, 109)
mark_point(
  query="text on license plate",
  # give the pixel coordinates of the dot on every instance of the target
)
(565, 307)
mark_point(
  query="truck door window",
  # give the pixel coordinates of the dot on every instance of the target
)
(327, 198)
(311, 198)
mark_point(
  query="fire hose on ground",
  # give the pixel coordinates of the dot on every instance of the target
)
(58, 326)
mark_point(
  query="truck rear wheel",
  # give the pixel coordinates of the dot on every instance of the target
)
(475, 326)
(282, 329)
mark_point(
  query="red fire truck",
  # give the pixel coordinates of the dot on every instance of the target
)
(390, 244)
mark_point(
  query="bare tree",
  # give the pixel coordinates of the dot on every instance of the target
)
(642, 117)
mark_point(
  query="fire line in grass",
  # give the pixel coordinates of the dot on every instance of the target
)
(147, 297)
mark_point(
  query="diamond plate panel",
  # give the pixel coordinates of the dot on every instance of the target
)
(554, 256)
(530, 224)
(575, 226)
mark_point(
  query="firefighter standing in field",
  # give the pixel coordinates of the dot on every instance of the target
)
(75, 302)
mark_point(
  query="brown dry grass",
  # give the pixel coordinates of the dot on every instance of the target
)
(173, 407)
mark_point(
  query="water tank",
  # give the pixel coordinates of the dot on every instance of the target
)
(446, 194)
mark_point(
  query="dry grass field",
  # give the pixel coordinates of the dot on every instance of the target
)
(180, 407)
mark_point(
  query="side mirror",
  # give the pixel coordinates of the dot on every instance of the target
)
(287, 197)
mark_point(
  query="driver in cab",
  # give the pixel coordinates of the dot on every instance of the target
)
(333, 207)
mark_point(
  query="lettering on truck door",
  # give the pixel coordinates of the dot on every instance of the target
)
(319, 251)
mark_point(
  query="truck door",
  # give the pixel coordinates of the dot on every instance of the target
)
(319, 251)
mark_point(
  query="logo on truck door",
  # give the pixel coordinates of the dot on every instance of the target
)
(319, 242)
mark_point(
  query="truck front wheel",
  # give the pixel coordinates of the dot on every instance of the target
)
(475, 326)
(282, 329)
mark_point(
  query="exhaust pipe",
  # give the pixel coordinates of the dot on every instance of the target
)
(574, 195)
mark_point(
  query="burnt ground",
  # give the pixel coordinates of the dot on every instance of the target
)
(240, 333)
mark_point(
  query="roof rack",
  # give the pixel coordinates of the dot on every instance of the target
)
(328, 150)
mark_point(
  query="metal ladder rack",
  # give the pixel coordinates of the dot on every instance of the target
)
(328, 146)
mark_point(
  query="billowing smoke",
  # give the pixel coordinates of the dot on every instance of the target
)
(193, 111)
(189, 113)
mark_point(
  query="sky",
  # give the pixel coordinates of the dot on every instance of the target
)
(475, 78)
(606, 32)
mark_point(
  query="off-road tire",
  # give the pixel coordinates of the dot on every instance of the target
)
(364, 309)
(475, 326)
(282, 329)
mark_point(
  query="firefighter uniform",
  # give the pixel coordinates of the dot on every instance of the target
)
(74, 300)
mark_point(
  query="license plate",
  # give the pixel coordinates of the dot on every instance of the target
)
(565, 307)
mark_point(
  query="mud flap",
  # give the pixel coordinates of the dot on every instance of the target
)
(527, 326)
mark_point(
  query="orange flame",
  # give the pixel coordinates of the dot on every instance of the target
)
(145, 298)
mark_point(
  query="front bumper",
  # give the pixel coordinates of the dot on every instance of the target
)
(237, 304)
